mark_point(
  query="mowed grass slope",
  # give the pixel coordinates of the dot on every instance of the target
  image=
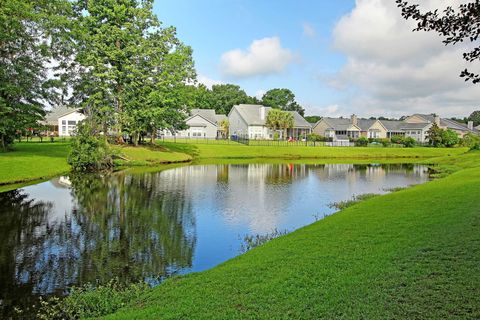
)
(33, 161)
(239, 151)
(411, 254)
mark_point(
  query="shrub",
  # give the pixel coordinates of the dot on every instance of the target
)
(409, 142)
(449, 138)
(89, 152)
(397, 139)
(384, 141)
(276, 135)
(361, 142)
(315, 137)
(470, 140)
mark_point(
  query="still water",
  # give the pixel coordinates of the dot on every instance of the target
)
(79, 229)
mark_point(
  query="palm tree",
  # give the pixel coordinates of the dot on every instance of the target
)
(273, 120)
(225, 126)
(286, 122)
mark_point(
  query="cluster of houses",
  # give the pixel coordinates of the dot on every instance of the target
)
(249, 121)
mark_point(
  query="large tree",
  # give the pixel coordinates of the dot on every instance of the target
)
(31, 38)
(225, 96)
(131, 72)
(455, 25)
(475, 117)
(283, 99)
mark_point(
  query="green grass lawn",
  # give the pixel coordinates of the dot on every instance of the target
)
(411, 254)
(31, 161)
(239, 151)
(151, 156)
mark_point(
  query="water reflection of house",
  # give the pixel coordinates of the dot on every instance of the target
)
(62, 182)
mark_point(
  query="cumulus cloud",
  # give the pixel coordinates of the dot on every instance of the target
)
(208, 82)
(309, 30)
(397, 71)
(263, 57)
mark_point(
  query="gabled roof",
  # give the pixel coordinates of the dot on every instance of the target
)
(220, 117)
(452, 124)
(251, 114)
(52, 116)
(207, 114)
(392, 125)
(339, 124)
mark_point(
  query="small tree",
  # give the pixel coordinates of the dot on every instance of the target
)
(225, 126)
(434, 135)
(89, 151)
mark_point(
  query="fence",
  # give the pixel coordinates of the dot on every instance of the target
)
(235, 140)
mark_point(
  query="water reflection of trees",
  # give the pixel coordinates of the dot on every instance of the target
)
(24, 229)
(131, 229)
(121, 226)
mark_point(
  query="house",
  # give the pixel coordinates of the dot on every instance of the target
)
(429, 119)
(249, 121)
(204, 124)
(415, 126)
(350, 128)
(62, 121)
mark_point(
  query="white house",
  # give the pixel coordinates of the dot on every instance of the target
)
(202, 123)
(67, 123)
(63, 121)
(248, 121)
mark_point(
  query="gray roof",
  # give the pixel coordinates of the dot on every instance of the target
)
(365, 124)
(220, 117)
(52, 116)
(207, 114)
(251, 113)
(452, 124)
(392, 125)
(422, 125)
(339, 124)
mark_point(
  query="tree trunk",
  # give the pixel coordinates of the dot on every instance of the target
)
(153, 136)
(135, 139)
(4, 147)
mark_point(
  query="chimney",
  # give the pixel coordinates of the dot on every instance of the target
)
(354, 119)
(470, 125)
(262, 113)
(437, 120)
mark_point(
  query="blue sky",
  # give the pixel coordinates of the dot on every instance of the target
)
(338, 57)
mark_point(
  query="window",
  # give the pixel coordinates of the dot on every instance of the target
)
(64, 129)
(72, 122)
(64, 122)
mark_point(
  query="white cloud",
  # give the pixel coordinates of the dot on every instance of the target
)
(333, 110)
(396, 71)
(263, 57)
(208, 82)
(309, 30)
(260, 93)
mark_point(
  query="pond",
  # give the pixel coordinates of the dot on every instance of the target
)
(91, 228)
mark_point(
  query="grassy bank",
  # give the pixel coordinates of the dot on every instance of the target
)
(414, 253)
(239, 151)
(31, 162)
